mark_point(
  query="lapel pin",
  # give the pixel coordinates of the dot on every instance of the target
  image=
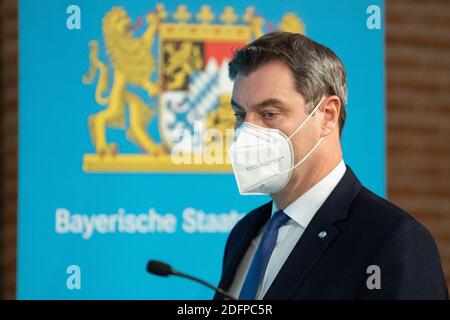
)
(322, 234)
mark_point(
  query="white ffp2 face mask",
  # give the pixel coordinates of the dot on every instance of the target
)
(263, 158)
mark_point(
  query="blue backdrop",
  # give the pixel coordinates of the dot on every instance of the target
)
(54, 137)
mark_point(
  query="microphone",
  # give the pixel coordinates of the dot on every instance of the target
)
(164, 270)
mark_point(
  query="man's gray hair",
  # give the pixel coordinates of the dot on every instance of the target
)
(317, 70)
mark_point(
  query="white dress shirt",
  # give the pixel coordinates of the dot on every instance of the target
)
(301, 212)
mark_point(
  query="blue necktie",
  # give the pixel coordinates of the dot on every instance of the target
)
(262, 256)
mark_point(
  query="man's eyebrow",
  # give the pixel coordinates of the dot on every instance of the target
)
(273, 102)
(266, 103)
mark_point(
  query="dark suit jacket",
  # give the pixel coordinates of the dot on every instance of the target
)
(362, 230)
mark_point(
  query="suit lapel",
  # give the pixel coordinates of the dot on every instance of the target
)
(302, 258)
(310, 247)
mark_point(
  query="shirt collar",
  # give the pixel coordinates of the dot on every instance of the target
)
(304, 208)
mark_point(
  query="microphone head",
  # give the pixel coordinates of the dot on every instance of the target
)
(159, 268)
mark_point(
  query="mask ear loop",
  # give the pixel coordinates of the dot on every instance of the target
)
(305, 157)
(306, 119)
(315, 146)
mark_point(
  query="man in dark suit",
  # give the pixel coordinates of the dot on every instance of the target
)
(324, 235)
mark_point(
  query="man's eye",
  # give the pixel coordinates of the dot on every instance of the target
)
(268, 115)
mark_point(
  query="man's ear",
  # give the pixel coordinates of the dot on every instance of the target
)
(330, 109)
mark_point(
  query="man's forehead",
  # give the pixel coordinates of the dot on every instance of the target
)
(270, 81)
(251, 99)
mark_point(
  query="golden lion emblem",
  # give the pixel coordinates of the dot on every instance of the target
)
(133, 64)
